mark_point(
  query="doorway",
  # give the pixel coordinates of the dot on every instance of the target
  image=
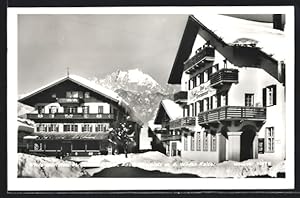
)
(247, 139)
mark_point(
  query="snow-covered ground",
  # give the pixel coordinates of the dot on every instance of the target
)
(34, 166)
(40, 167)
(158, 161)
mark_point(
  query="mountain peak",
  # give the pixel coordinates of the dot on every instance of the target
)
(134, 80)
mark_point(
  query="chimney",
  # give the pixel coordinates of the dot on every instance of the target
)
(278, 21)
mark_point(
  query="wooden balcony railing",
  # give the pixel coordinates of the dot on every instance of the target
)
(169, 137)
(206, 53)
(58, 116)
(180, 96)
(183, 122)
(224, 76)
(69, 100)
(232, 113)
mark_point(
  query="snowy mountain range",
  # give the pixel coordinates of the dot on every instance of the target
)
(140, 90)
(133, 80)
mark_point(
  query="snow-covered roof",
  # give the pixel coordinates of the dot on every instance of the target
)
(172, 109)
(25, 125)
(242, 42)
(79, 80)
(91, 86)
(153, 126)
(230, 29)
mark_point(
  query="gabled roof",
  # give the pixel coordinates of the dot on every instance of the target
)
(109, 94)
(225, 34)
(78, 80)
(172, 110)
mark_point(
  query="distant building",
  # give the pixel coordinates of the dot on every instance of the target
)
(73, 116)
(232, 92)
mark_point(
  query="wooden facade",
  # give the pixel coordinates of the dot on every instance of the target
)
(74, 117)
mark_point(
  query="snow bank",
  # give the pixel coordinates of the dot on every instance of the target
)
(157, 161)
(277, 168)
(34, 166)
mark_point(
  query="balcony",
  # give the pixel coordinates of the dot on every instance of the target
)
(69, 100)
(180, 96)
(206, 54)
(224, 76)
(232, 113)
(183, 122)
(165, 138)
(62, 116)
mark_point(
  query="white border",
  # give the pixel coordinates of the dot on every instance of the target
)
(37, 184)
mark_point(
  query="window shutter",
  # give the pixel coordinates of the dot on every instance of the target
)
(264, 97)
(274, 94)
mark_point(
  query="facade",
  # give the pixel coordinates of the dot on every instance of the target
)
(232, 92)
(73, 116)
(168, 111)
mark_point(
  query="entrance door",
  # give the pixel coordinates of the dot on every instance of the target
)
(66, 147)
(173, 149)
(247, 139)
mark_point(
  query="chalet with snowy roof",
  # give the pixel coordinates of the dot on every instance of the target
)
(232, 76)
(168, 111)
(73, 116)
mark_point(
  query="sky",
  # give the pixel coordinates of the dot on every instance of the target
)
(95, 46)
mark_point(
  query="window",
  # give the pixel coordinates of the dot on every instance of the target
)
(192, 141)
(209, 72)
(249, 100)
(225, 99)
(101, 127)
(70, 128)
(192, 109)
(87, 95)
(206, 104)
(185, 145)
(53, 95)
(85, 109)
(205, 141)
(201, 76)
(196, 108)
(211, 102)
(53, 127)
(201, 105)
(70, 110)
(40, 109)
(194, 82)
(53, 109)
(269, 95)
(100, 109)
(198, 141)
(73, 94)
(68, 94)
(213, 142)
(218, 100)
(41, 128)
(86, 128)
(269, 139)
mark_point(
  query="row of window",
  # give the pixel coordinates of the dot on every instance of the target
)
(206, 104)
(218, 100)
(75, 94)
(202, 77)
(69, 109)
(201, 142)
(72, 127)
